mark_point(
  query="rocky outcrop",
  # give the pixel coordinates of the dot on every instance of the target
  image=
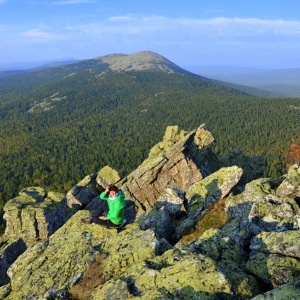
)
(256, 254)
(180, 160)
(35, 214)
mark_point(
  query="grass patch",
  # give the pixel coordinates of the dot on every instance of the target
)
(92, 278)
(215, 218)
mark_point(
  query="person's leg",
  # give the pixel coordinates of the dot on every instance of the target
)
(106, 223)
(103, 210)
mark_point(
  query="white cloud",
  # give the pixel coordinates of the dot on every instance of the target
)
(37, 33)
(213, 26)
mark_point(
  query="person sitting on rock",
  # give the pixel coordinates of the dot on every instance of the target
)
(111, 212)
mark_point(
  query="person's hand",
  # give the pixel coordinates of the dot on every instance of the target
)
(102, 218)
(107, 190)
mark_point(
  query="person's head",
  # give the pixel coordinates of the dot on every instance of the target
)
(113, 190)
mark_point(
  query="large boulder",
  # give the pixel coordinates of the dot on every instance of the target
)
(163, 217)
(83, 192)
(274, 270)
(49, 268)
(127, 249)
(291, 184)
(253, 167)
(211, 189)
(180, 160)
(262, 209)
(229, 255)
(74, 224)
(34, 214)
(284, 243)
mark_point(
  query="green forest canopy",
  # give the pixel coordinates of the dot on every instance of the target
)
(83, 122)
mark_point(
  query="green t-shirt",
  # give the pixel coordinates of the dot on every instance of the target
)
(115, 207)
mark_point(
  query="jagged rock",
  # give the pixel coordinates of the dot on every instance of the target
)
(211, 189)
(83, 192)
(291, 185)
(273, 269)
(175, 162)
(253, 167)
(48, 268)
(107, 176)
(34, 214)
(289, 291)
(9, 252)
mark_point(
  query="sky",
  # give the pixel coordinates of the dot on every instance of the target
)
(239, 33)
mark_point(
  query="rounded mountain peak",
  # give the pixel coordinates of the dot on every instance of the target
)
(140, 61)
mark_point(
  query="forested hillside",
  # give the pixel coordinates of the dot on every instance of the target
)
(56, 129)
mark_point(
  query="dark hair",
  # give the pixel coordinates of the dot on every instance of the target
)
(113, 188)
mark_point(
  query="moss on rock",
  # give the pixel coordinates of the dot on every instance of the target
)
(48, 268)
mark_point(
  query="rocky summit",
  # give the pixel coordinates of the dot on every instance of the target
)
(198, 227)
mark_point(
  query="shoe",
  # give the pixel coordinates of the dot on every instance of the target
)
(120, 225)
(87, 221)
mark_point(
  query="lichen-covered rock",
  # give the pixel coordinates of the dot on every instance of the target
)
(203, 137)
(290, 291)
(255, 192)
(291, 185)
(74, 224)
(220, 245)
(172, 199)
(273, 214)
(274, 269)
(178, 275)
(162, 219)
(286, 243)
(112, 289)
(34, 214)
(5, 290)
(128, 248)
(253, 167)
(107, 176)
(83, 192)
(176, 162)
(212, 188)
(160, 222)
(9, 252)
(48, 268)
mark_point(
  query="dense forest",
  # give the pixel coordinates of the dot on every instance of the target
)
(57, 127)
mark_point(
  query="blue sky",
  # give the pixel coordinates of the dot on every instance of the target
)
(255, 33)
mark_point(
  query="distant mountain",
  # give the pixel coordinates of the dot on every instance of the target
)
(24, 68)
(284, 82)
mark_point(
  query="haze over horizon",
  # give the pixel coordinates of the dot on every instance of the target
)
(256, 34)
